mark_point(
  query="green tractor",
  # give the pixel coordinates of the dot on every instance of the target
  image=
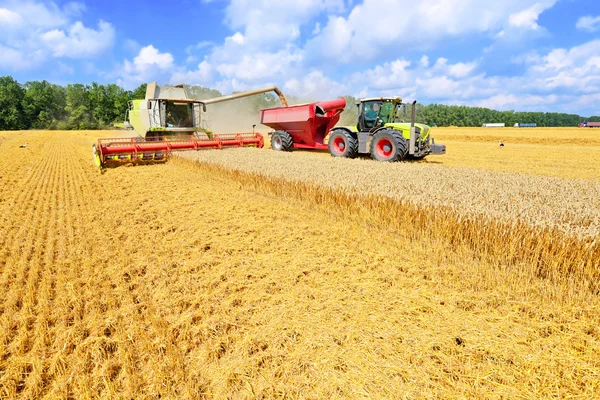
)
(382, 133)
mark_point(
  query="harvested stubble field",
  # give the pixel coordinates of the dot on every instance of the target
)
(562, 152)
(190, 280)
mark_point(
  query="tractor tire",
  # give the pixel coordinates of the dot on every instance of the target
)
(388, 145)
(282, 141)
(342, 144)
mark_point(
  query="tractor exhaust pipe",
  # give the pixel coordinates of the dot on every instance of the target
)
(413, 139)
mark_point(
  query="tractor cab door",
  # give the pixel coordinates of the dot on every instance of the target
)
(368, 115)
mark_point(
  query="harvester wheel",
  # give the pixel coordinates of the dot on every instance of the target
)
(282, 141)
(388, 145)
(342, 144)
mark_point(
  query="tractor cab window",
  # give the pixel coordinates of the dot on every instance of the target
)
(371, 113)
(179, 115)
(386, 114)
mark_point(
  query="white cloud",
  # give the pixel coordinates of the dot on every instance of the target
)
(315, 86)
(259, 66)
(460, 70)
(203, 75)
(528, 17)
(79, 41)
(236, 39)
(588, 23)
(14, 60)
(348, 38)
(150, 64)
(515, 102)
(270, 25)
(34, 32)
(10, 18)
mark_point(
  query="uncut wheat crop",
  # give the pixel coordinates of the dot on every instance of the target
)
(571, 205)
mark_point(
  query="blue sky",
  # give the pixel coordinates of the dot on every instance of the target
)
(510, 54)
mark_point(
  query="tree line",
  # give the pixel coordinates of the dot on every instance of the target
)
(464, 116)
(43, 105)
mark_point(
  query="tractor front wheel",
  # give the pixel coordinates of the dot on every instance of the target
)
(282, 141)
(342, 144)
(388, 145)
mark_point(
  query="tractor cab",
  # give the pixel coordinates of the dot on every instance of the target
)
(377, 112)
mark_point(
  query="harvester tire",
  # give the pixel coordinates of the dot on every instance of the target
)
(342, 144)
(388, 145)
(282, 141)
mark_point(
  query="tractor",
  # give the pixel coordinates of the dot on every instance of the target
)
(382, 132)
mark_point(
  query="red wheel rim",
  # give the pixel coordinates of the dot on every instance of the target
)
(384, 148)
(339, 144)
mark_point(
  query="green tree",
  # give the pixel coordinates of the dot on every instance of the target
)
(79, 107)
(11, 109)
(139, 93)
(108, 103)
(44, 104)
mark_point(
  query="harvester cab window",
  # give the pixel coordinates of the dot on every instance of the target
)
(179, 115)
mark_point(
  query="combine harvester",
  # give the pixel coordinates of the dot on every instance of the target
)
(170, 120)
(379, 132)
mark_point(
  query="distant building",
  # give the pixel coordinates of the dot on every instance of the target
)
(494, 125)
(517, 125)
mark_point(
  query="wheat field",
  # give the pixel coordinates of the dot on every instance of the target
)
(244, 276)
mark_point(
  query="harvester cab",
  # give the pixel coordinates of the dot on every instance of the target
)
(382, 132)
(167, 111)
(169, 120)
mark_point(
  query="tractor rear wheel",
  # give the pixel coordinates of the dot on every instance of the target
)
(388, 145)
(342, 144)
(282, 141)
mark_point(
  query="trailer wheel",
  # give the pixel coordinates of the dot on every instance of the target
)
(342, 144)
(388, 145)
(282, 141)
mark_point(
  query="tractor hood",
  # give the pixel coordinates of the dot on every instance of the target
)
(405, 128)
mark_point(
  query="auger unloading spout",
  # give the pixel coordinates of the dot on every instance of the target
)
(234, 96)
(169, 120)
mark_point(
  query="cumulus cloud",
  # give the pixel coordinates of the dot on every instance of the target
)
(150, 64)
(79, 41)
(270, 24)
(203, 75)
(35, 31)
(528, 17)
(422, 25)
(10, 18)
(588, 23)
(315, 86)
